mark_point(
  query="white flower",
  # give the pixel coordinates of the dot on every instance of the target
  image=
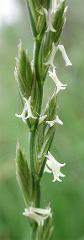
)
(53, 53)
(64, 55)
(27, 112)
(48, 15)
(39, 215)
(59, 85)
(56, 5)
(53, 122)
(52, 56)
(53, 166)
(42, 118)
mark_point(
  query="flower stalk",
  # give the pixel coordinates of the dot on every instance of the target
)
(47, 21)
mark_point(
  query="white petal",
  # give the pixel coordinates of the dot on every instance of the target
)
(56, 179)
(50, 123)
(33, 216)
(54, 5)
(48, 15)
(62, 175)
(22, 116)
(46, 211)
(59, 85)
(64, 55)
(58, 120)
(61, 164)
(52, 56)
(53, 122)
(42, 118)
(37, 214)
(27, 113)
(54, 167)
(18, 115)
(28, 107)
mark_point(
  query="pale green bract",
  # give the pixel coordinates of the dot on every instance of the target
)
(47, 21)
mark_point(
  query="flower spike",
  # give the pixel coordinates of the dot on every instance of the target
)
(39, 215)
(47, 19)
(53, 166)
(59, 85)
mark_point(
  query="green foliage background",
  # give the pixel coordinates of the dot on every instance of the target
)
(67, 198)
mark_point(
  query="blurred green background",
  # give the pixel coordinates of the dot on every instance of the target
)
(67, 198)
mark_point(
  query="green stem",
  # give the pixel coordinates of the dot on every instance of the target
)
(36, 199)
(32, 151)
(33, 132)
(40, 86)
(33, 233)
(38, 195)
(35, 180)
